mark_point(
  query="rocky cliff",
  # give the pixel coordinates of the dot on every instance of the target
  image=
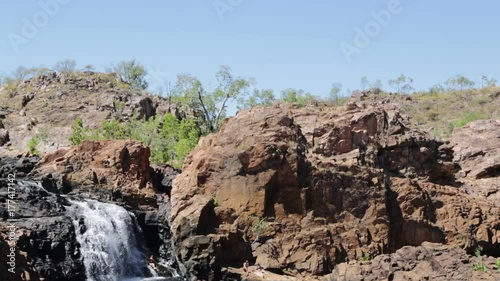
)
(46, 106)
(310, 193)
(299, 190)
(118, 172)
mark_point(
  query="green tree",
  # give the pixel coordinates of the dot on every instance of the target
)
(335, 92)
(297, 96)
(133, 73)
(258, 97)
(459, 82)
(21, 73)
(487, 82)
(402, 84)
(65, 66)
(377, 84)
(167, 90)
(186, 89)
(365, 83)
(88, 67)
(436, 89)
(213, 104)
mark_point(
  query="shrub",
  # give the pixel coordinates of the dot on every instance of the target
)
(66, 66)
(32, 144)
(479, 266)
(169, 139)
(365, 257)
(216, 201)
(79, 132)
(497, 264)
(259, 226)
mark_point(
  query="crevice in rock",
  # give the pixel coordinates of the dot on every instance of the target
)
(125, 160)
(271, 195)
(490, 172)
(209, 219)
(394, 216)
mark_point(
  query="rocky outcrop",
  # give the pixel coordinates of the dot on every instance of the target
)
(117, 172)
(105, 170)
(46, 106)
(19, 165)
(44, 244)
(477, 150)
(299, 190)
(426, 262)
(4, 136)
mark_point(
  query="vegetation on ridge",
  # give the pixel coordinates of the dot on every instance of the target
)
(439, 110)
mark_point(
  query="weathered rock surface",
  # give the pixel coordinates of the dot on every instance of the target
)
(429, 261)
(105, 170)
(46, 106)
(19, 165)
(299, 190)
(113, 171)
(477, 149)
(43, 235)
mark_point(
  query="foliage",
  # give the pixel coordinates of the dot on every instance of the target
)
(119, 106)
(478, 252)
(465, 119)
(32, 144)
(297, 96)
(216, 201)
(189, 91)
(365, 83)
(258, 97)
(402, 84)
(20, 74)
(10, 84)
(479, 266)
(497, 264)
(437, 89)
(335, 93)
(65, 66)
(169, 138)
(259, 226)
(88, 67)
(365, 257)
(377, 84)
(132, 72)
(487, 82)
(459, 82)
(79, 132)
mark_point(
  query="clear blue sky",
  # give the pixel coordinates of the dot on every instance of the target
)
(283, 44)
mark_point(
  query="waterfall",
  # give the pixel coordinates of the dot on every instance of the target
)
(110, 247)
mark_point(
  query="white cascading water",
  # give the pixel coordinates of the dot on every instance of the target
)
(108, 242)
